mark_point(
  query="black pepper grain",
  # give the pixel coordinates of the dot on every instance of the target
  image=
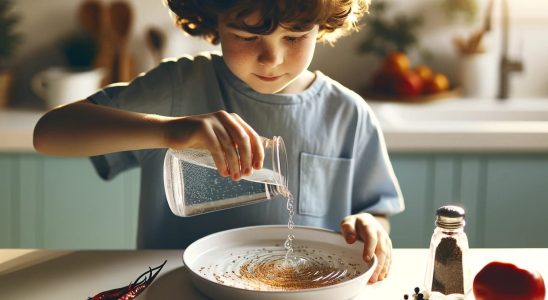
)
(448, 272)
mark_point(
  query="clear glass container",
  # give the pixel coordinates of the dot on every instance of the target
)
(193, 185)
(448, 268)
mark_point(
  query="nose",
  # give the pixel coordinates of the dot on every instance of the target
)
(270, 56)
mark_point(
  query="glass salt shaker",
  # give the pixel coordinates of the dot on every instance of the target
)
(448, 270)
(193, 185)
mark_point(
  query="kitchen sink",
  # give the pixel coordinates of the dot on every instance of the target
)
(467, 113)
(472, 125)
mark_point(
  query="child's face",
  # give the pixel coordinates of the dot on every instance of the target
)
(274, 63)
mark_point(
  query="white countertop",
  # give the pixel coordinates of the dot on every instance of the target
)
(465, 125)
(14, 259)
(456, 125)
(82, 274)
(16, 128)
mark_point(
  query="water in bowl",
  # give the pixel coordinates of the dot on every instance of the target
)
(265, 268)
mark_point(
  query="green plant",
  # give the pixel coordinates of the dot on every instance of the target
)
(384, 35)
(79, 50)
(9, 38)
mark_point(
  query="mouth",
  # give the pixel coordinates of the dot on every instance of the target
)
(267, 78)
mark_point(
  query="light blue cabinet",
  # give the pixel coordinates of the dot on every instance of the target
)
(516, 202)
(50, 202)
(8, 180)
(431, 181)
(505, 197)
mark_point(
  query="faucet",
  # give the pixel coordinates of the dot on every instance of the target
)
(507, 65)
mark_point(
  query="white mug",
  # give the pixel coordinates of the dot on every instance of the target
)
(478, 75)
(59, 86)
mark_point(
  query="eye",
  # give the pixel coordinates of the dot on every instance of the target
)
(246, 38)
(294, 39)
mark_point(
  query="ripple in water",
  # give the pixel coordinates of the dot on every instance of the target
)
(267, 269)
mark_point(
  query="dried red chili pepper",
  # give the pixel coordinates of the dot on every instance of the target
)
(133, 289)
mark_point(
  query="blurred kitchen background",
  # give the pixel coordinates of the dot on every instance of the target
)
(457, 143)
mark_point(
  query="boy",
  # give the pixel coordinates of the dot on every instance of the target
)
(260, 86)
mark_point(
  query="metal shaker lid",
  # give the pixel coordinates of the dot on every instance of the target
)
(450, 217)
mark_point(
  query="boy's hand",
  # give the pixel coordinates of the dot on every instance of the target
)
(376, 241)
(235, 147)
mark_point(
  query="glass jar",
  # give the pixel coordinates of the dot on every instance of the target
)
(193, 185)
(448, 268)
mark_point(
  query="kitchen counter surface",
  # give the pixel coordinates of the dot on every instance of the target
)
(465, 125)
(80, 274)
(455, 125)
(16, 127)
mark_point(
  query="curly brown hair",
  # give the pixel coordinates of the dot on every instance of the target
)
(335, 18)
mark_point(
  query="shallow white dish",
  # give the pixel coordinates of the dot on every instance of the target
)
(205, 251)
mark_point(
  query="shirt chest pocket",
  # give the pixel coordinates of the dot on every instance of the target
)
(324, 184)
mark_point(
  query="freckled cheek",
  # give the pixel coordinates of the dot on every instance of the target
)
(237, 57)
(299, 60)
(233, 54)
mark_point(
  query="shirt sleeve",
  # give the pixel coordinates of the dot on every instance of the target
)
(150, 92)
(376, 189)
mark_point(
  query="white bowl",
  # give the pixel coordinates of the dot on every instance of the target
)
(206, 252)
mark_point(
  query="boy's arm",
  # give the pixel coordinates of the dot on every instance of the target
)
(86, 129)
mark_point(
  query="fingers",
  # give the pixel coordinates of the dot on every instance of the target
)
(199, 132)
(256, 154)
(388, 262)
(376, 242)
(348, 229)
(244, 148)
(228, 154)
(218, 153)
(384, 258)
(234, 142)
(368, 233)
(235, 147)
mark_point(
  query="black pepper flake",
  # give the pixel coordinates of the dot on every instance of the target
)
(448, 271)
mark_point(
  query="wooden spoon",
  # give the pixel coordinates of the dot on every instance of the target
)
(474, 42)
(93, 17)
(90, 17)
(121, 18)
(460, 43)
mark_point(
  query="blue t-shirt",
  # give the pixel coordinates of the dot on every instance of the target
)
(337, 160)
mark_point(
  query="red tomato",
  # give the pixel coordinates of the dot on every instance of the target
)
(505, 281)
(408, 84)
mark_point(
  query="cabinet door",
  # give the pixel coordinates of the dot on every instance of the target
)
(412, 228)
(459, 180)
(8, 189)
(81, 210)
(431, 181)
(20, 201)
(30, 198)
(50, 202)
(517, 201)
